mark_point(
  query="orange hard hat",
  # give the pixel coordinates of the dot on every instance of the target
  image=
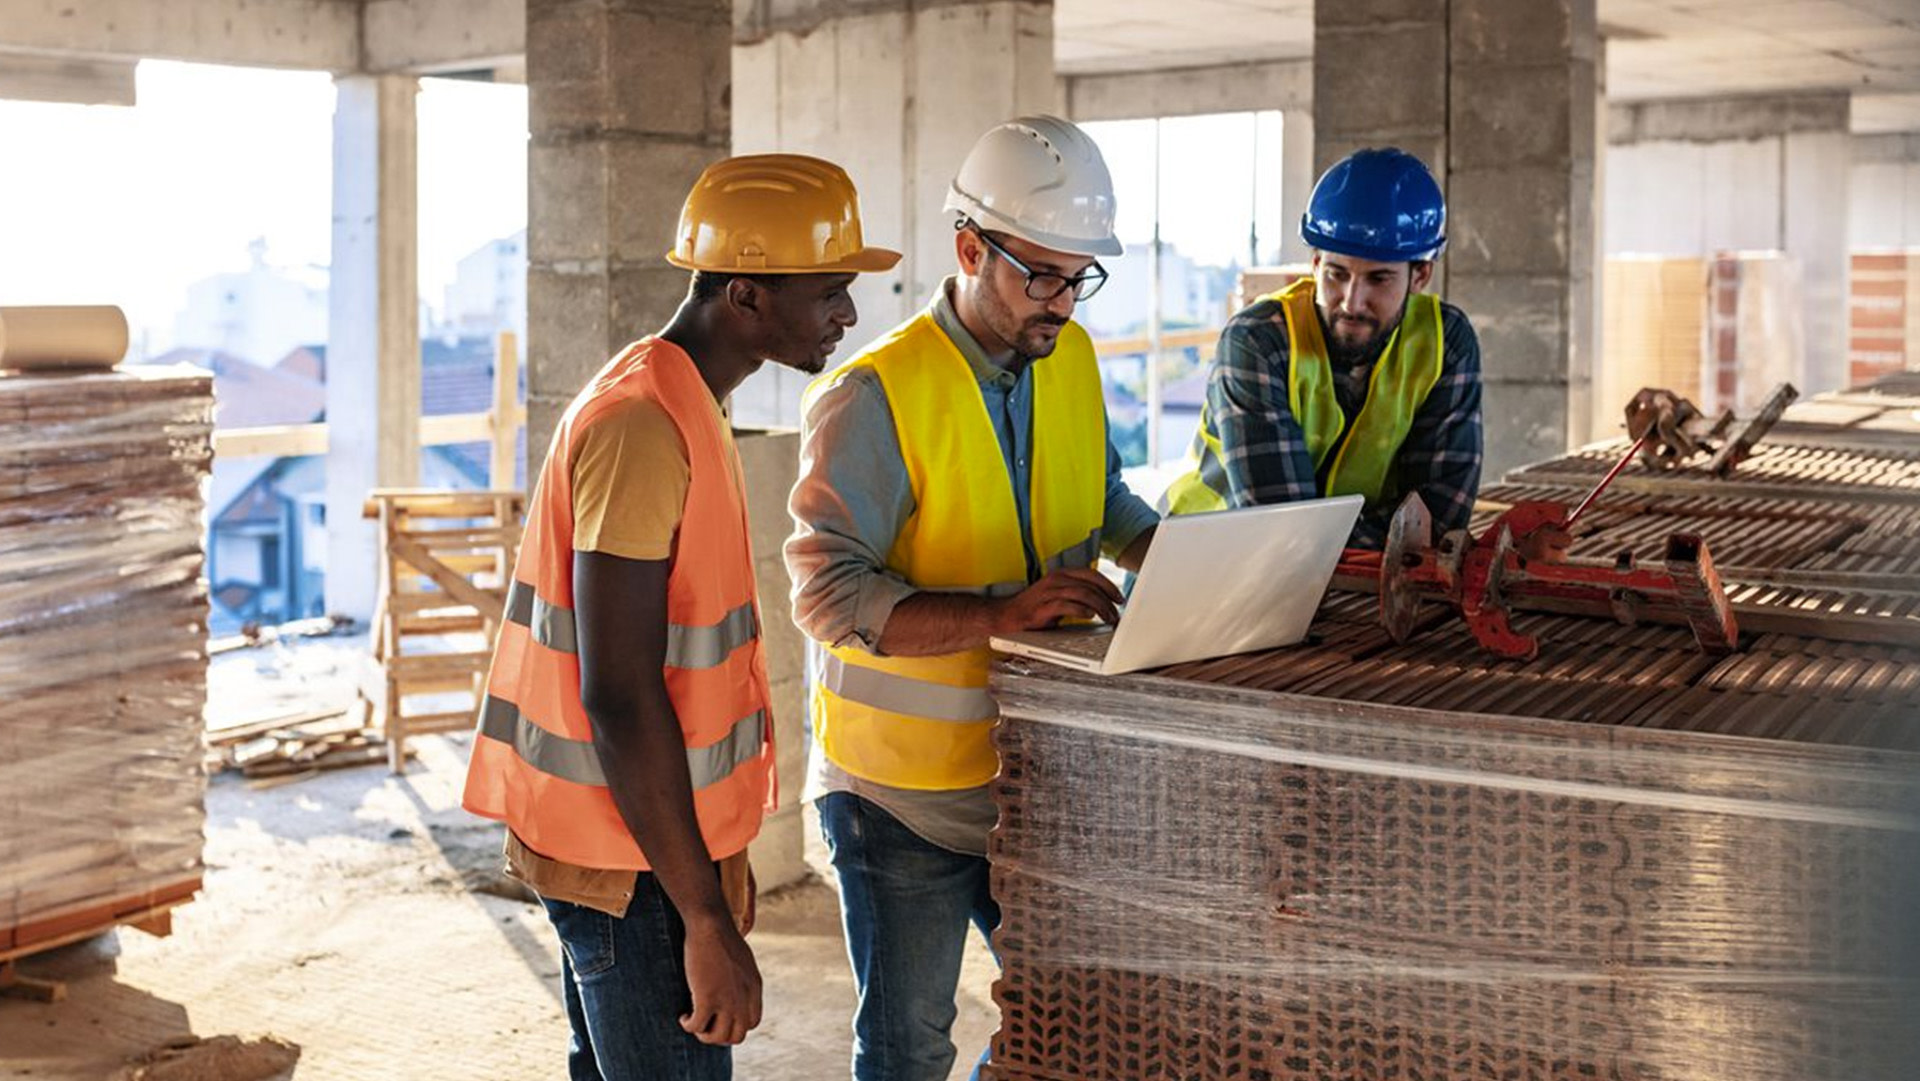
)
(775, 214)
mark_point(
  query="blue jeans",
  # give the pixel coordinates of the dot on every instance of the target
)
(626, 989)
(905, 904)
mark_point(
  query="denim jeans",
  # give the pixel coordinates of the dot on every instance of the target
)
(626, 989)
(905, 904)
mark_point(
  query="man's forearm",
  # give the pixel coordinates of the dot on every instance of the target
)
(1135, 554)
(929, 624)
(644, 756)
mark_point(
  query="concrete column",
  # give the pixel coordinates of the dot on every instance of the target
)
(771, 461)
(1498, 97)
(627, 103)
(1380, 79)
(1297, 175)
(896, 93)
(1817, 180)
(373, 324)
(1522, 253)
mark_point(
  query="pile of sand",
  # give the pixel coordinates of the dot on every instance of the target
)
(222, 1058)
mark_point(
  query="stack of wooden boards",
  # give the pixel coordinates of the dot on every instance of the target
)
(277, 750)
(102, 649)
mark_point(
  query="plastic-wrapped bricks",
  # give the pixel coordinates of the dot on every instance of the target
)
(1355, 860)
(102, 646)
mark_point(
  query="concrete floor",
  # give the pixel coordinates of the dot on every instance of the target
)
(339, 913)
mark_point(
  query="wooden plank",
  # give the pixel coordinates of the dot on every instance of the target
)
(447, 624)
(303, 440)
(38, 936)
(411, 603)
(508, 415)
(450, 542)
(457, 428)
(457, 586)
(446, 721)
(423, 666)
(239, 733)
(464, 563)
(1181, 339)
(445, 684)
(430, 501)
(275, 441)
(14, 985)
(344, 758)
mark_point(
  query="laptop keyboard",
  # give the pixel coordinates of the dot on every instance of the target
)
(1089, 644)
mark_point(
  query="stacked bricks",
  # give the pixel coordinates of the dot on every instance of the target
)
(1884, 314)
(1624, 859)
(1202, 881)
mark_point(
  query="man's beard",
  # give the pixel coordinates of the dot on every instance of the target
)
(1018, 334)
(1345, 354)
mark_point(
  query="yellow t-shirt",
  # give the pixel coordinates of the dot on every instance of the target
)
(630, 478)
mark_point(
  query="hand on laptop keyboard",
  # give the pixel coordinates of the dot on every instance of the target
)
(1063, 594)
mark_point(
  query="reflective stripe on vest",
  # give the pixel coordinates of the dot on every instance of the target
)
(687, 647)
(1405, 373)
(901, 694)
(926, 722)
(575, 759)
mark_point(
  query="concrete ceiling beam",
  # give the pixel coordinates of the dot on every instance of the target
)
(421, 37)
(317, 34)
(1223, 88)
(1712, 120)
(445, 37)
(67, 80)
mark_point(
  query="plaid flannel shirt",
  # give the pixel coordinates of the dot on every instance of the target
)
(1267, 460)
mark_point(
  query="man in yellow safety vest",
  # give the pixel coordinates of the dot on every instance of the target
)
(1351, 380)
(957, 480)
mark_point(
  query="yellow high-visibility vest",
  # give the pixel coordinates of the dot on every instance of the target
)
(926, 722)
(1363, 463)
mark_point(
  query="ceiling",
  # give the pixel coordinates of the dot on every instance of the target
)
(1654, 49)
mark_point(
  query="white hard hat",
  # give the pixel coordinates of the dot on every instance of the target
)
(1043, 180)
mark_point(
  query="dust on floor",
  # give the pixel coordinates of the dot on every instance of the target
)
(338, 917)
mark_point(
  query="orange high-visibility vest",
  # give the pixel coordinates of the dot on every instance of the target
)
(533, 763)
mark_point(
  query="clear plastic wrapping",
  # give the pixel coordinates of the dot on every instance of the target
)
(102, 645)
(1203, 882)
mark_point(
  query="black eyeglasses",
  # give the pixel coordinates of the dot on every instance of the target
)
(1045, 285)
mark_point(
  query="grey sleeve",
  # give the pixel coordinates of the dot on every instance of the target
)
(852, 499)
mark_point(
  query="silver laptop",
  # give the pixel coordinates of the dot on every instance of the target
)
(1231, 581)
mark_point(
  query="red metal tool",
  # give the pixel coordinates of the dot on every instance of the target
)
(1520, 560)
(1671, 430)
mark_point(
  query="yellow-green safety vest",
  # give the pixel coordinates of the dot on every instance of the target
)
(926, 722)
(1363, 464)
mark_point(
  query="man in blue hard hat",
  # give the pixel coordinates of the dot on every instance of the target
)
(1352, 380)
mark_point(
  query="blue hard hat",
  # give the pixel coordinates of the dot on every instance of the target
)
(1377, 204)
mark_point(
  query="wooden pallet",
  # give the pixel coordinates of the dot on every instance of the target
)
(150, 911)
(446, 559)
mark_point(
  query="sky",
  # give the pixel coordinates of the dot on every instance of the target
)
(128, 206)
